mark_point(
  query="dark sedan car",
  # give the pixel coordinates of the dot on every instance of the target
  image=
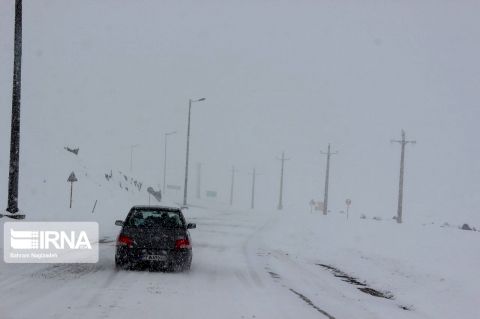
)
(154, 236)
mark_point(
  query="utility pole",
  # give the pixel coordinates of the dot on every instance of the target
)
(402, 142)
(185, 187)
(15, 124)
(254, 174)
(280, 198)
(199, 179)
(327, 177)
(232, 185)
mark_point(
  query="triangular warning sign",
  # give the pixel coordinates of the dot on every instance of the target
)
(72, 177)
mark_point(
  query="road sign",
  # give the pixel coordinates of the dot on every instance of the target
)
(156, 194)
(72, 178)
(174, 187)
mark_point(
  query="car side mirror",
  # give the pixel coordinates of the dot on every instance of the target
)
(191, 226)
(119, 223)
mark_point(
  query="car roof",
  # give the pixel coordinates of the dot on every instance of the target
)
(167, 208)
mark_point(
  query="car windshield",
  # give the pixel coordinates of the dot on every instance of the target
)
(154, 219)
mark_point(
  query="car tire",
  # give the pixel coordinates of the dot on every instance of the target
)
(171, 267)
(119, 264)
(187, 266)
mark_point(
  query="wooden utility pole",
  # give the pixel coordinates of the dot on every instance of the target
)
(280, 198)
(327, 177)
(254, 174)
(402, 142)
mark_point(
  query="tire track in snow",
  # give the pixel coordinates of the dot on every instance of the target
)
(103, 300)
(277, 278)
(311, 304)
(249, 251)
(301, 275)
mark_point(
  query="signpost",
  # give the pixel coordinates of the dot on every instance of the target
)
(72, 178)
(348, 201)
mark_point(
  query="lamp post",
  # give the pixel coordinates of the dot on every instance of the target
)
(165, 159)
(15, 126)
(185, 190)
(131, 156)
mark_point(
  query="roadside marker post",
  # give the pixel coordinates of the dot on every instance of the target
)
(348, 201)
(72, 179)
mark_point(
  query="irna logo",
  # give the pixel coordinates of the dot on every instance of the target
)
(48, 239)
(50, 242)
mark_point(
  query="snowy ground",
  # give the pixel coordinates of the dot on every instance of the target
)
(247, 264)
(265, 265)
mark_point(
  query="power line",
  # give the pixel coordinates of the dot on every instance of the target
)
(402, 142)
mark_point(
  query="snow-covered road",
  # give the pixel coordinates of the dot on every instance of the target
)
(240, 270)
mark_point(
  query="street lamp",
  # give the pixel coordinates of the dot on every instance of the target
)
(165, 159)
(131, 156)
(15, 126)
(190, 101)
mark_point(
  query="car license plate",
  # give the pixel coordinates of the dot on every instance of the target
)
(155, 257)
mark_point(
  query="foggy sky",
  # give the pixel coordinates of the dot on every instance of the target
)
(278, 76)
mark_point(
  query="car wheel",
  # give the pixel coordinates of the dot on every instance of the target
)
(187, 266)
(119, 264)
(171, 267)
